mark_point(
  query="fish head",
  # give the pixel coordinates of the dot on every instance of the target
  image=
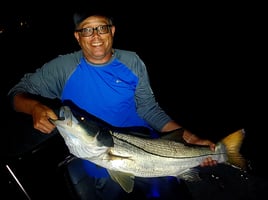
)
(74, 125)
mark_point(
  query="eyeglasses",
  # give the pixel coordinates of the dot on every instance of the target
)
(102, 29)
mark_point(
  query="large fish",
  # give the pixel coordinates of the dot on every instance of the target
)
(126, 155)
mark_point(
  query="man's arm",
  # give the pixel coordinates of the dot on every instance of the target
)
(40, 113)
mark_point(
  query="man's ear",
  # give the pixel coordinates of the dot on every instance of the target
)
(76, 35)
(113, 30)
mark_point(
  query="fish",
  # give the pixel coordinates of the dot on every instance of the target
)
(129, 154)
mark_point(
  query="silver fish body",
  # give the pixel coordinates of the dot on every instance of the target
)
(155, 157)
(126, 156)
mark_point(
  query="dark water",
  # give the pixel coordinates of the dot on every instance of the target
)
(206, 73)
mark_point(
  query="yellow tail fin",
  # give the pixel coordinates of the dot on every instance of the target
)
(233, 143)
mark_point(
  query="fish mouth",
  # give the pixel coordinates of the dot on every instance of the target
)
(65, 114)
(53, 121)
(59, 119)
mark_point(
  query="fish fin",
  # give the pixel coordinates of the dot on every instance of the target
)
(125, 180)
(233, 144)
(190, 175)
(175, 135)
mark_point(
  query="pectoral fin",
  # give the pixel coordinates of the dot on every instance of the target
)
(125, 180)
(190, 175)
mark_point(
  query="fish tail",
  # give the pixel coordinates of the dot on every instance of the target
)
(233, 143)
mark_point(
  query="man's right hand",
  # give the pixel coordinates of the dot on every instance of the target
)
(40, 114)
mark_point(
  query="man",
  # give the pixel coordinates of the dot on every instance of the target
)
(111, 84)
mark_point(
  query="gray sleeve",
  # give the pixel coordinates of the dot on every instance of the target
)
(147, 106)
(49, 80)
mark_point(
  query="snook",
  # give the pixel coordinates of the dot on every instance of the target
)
(126, 156)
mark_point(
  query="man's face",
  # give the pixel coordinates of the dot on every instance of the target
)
(95, 37)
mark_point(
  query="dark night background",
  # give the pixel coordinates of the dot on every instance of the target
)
(205, 61)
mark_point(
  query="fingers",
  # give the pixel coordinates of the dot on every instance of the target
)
(208, 143)
(51, 115)
(193, 139)
(41, 116)
(208, 162)
(212, 146)
(44, 125)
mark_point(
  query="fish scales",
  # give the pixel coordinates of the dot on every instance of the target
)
(132, 159)
(163, 147)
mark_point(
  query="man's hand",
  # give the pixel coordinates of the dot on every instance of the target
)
(193, 139)
(40, 115)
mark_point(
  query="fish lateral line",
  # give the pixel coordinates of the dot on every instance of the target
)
(144, 150)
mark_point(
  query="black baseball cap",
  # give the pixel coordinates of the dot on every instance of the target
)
(81, 14)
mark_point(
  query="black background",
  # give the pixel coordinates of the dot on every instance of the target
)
(205, 61)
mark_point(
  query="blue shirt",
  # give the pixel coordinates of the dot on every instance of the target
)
(106, 91)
